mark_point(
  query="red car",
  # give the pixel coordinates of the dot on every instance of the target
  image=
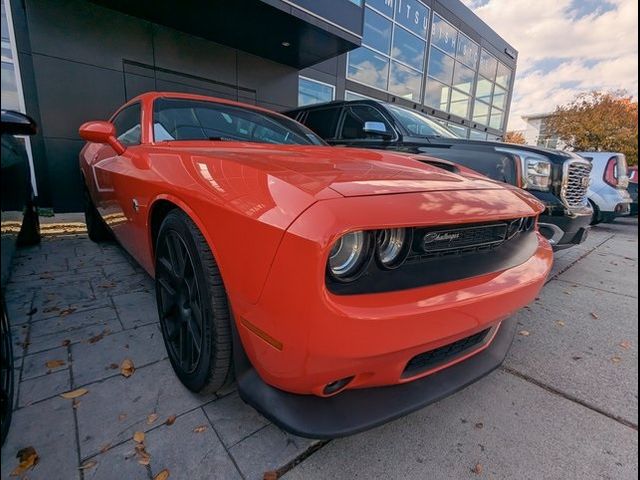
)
(342, 287)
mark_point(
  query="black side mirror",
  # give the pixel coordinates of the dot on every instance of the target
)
(378, 129)
(16, 123)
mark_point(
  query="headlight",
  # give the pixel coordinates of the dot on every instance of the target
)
(537, 173)
(393, 246)
(349, 255)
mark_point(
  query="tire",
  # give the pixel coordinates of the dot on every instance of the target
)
(596, 217)
(96, 228)
(192, 306)
(6, 377)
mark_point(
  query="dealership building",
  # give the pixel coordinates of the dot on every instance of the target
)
(68, 61)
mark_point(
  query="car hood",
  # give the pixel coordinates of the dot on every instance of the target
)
(348, 171)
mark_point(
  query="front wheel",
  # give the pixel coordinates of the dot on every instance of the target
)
(596, 216)
(96, 227)
(192, 305)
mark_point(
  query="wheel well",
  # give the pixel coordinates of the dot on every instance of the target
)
(159, 211)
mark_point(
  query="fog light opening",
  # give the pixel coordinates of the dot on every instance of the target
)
(336, 386)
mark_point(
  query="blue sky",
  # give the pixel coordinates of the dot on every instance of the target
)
(565, 47)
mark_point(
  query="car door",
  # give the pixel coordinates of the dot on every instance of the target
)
(115, 177)
(351, 128)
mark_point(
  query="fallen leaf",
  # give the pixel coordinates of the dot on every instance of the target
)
(171, 420)
(200, 429)
(560, 323)
(270, 475)
(138, 437)
(477, 469)
(28, 459)
(127, 368)
(66, 311)
(626, 344)
(524, 333)
(122, 416)
(55, 363)
(75, 393)
(479, 425)
(66, 343)
(162, 475)
(143, 456)
(98, 337)
(105, 447)
(616, 359)
(152, 418)
(576, 358)
(88, 465)
(594, 316)
(113, 366)
(566, 292)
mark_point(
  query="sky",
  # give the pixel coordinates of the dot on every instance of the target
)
(565, 47)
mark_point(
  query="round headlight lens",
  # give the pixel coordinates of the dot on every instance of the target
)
(348, 255)
(393, 247)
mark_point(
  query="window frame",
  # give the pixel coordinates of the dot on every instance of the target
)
(390, 122)
(319, 82)
(120, 111)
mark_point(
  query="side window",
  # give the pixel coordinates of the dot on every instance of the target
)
(323, 121)
(355, 118)
(127, 123)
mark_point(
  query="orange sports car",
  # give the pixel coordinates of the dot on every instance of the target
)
(341, 287)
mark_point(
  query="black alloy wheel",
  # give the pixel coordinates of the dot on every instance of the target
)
(6, 377)
(192, 305)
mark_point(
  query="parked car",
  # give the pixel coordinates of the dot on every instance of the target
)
(608, 193)
(633, 189)
(309, 271)
(20, 227)
(558, 179)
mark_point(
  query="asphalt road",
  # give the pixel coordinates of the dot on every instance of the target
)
(564, 405)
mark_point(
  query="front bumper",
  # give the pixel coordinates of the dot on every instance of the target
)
(563, 228)
(354, 411)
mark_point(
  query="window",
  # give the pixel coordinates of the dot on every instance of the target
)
(180, 119)
(488, 65)
(491, 90)
(504, 75)
(127, 123)
(467, 51)
(312, 91)
(461, 132)
(10, 94)
(477, 135)
(441, 66)
(443, 35)
(418, 124)
(323, 121)
(437, 94)
(355, 96)
(354, 119)
(394, 47)
(481, 112)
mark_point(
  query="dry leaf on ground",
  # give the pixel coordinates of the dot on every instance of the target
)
(477, 469)
(127, 368)
(138, 437)
(524, 333)
(594, 316)
(88, 465)
(152, 418)
(75, 393)
(113, 366)
(55, 363)
(626, 344)
(28, 459)
(560, 323)
(171, 420)
(200, 428)
(105, 447)
(162, 475)
(66, 311)
(616, 359)
(143, 456)
(479, 425)
(270, 475)
(66, 343)
(122, 416)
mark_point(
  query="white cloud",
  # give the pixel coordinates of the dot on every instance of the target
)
(562, 50)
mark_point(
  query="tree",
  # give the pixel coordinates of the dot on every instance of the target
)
(598, 121)
(513, 136)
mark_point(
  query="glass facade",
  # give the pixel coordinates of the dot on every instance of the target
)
(10, 95)
(312, 91)
(414, 53)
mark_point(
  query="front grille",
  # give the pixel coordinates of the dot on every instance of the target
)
(433, 358)
(575, 182)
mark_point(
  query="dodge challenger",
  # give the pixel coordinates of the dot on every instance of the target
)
(341, 288)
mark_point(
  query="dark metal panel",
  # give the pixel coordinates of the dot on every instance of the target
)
(62, 155)
(276, 85)
(72, 93)
(84, 32)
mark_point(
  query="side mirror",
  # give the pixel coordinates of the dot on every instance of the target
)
(16, 123)
(101, 132)
(377, 128)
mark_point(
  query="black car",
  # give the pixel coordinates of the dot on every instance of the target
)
(20, 227)
(633, 190)
(558, 179)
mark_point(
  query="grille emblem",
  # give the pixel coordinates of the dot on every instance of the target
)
(584, 181)
(439, 237)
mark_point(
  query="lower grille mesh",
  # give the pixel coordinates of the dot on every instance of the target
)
(431, 359)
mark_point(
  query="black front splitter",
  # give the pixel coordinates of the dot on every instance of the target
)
(354, 411)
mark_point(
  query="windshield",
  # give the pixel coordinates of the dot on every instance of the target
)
(184, 119)
(419, 125)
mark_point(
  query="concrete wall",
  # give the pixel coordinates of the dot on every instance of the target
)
(80, 61)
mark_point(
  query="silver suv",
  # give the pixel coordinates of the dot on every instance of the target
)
(607, 192)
